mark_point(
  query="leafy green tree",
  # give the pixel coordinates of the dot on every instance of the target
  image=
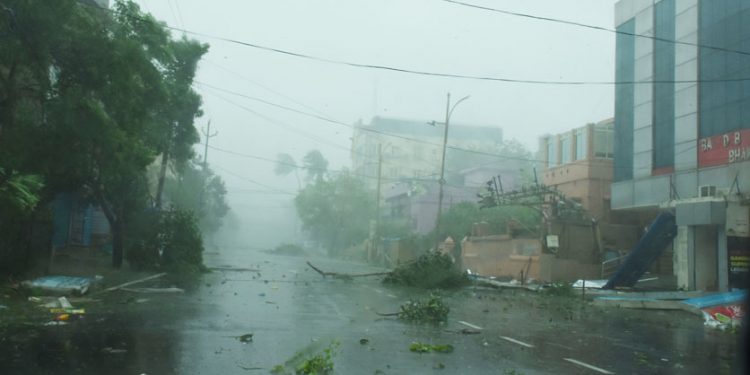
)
(201, 192)
(315, 164)
(285, 165)
(336, 212)
(458, 220)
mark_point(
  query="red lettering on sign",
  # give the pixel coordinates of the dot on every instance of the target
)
(732, 147)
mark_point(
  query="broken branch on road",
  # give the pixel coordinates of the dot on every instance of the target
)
(345, 276)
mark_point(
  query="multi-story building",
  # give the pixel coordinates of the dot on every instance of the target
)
(411, 150)
(578, 163)
(682, 130)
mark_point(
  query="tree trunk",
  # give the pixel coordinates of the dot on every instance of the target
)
(118, 233)
(162, 176)
(116, 226)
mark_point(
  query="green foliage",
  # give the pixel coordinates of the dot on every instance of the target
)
(203, 193)
(89, 98)
(429, 271)
(171, 242)
(420, 347)
(306, 363)
(319, 364)
(336, 212)
(19, 193)
(458, 220)
(432, 310)
(315, 164)
(559, 290)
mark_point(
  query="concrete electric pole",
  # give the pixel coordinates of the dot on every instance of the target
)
(441, 182)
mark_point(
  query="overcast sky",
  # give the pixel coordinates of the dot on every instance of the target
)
(423, 35)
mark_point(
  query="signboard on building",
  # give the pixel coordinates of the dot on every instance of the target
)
(738, 249)
(732, 147)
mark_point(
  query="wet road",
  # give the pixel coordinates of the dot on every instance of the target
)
(289, 308)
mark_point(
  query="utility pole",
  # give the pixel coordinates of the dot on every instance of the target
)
(377, 197)
(207, 134)
(376, 231)
(441, 182)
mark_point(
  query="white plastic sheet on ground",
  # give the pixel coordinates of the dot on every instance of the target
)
(598, 284)
(61, 284)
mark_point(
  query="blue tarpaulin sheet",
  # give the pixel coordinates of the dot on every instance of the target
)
(718, 299)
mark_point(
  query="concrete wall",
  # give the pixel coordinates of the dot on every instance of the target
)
(501, 256)
(553, 269)
(706, 264)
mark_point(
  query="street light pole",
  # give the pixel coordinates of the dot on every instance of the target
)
(441, 182)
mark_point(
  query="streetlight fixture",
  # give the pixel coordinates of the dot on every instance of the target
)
(441, 182)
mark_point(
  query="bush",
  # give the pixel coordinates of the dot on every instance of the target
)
(433, 310)
(559, 289)
(429, 271)
(171, 242)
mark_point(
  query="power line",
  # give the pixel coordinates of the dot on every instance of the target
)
(312, 115)
(431, 74)
(593, 27)
(243, 77)
(271, 188)
(443, 75)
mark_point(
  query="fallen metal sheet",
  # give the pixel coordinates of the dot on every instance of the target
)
(61, 284)
(597, 284)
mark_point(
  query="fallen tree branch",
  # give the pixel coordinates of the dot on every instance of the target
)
(346, 276)
(116, 287)
(387, 314)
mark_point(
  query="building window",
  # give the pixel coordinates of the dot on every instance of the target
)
(624, 101)
(551, 152)
(724, 95)
(580, 144)
(604, 139)
(664, 75)
(565, 149)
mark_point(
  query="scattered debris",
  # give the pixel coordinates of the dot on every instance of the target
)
(465, 331)
(470, 325)
(246, 338)
(111, 350)
(233, 269)
(64, 303)
(154, 290)
(121, 286)
(419, 347)
(345, 276)
(432, 310)
(429, 271)
(248, 368)
(720, 310)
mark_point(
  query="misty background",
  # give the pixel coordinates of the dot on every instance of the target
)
(422, 35)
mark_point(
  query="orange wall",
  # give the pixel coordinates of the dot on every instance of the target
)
(501, 256)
